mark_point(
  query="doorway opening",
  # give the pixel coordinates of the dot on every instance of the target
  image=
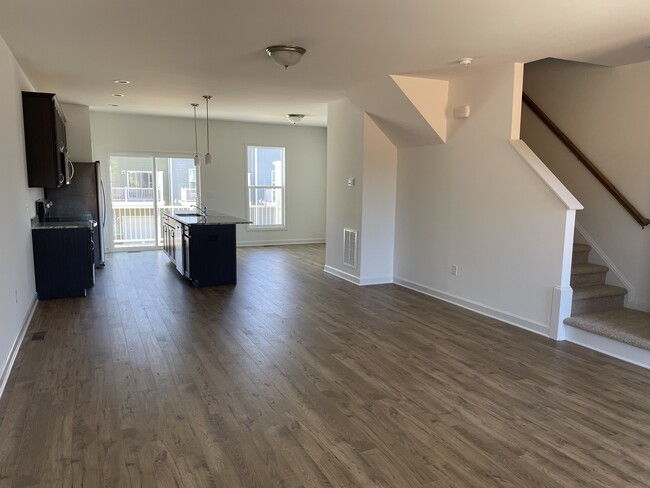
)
(142, 189)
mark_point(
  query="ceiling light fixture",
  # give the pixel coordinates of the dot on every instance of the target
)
(197, 158)
(208, 156)
(122, 82)
(295, 118)
(285, 55)
(465, 61)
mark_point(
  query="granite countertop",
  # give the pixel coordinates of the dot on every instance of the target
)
(212, 218)
(80, 224)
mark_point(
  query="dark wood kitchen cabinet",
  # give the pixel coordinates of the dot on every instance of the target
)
(64, 263)
(46, 148)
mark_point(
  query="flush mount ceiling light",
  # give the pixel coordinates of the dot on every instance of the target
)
(208, 156)
(197, 159)
(285, 55)
(295, 118)
(465, 61)
(122, 82)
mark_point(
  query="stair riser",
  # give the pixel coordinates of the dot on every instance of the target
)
(581, 257)
(600, 304)
(588, 279)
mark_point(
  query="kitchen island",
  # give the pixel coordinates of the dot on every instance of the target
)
(202, 246)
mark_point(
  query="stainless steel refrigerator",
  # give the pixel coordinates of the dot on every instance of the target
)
(83, 199)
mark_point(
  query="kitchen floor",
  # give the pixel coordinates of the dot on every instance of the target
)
(297, 378)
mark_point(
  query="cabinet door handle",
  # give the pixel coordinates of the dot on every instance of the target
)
(71, 169)
(61, 178)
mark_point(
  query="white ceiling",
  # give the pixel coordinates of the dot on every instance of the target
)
(174, 51)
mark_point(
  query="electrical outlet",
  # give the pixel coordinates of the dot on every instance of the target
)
(454, 270)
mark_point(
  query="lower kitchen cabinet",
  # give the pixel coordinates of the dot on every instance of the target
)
(64, 264)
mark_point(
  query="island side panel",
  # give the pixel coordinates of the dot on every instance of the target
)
(213, 255)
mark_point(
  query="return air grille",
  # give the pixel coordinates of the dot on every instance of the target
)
(350, 248)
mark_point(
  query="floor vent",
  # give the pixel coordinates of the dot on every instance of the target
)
(39, 336)
(350, 248)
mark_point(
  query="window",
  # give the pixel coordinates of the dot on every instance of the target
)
(266, 187)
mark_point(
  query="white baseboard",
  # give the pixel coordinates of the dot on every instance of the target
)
(610, 347)
(380, 280)
(6, 370)
(342, 274)
(521, 322)
(286, 242)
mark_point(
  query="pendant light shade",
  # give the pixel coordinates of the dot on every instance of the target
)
(197, 159)
(208, 156)
(285, 55)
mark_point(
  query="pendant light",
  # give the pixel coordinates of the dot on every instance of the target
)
(208, 156)
(197, 158)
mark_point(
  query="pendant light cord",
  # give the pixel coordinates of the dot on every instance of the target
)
(196, 135)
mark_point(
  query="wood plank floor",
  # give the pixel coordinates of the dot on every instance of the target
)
(294, 378)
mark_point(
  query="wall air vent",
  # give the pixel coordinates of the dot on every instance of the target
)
(350, 248)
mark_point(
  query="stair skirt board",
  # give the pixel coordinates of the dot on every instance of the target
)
(607, 346)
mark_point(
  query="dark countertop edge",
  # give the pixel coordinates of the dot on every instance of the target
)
(78, 224)
(213, 218)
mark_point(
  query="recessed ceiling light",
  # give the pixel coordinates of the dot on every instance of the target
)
(465, 61)
(117, 95)
(122, 82)
(113, 105)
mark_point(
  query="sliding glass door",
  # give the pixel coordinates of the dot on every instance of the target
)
(142, 188)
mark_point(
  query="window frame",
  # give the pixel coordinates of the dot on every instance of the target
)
(282, 187)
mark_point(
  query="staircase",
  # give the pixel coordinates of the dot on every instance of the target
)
(599, 308)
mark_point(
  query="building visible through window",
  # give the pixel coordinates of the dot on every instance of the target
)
(266, 187)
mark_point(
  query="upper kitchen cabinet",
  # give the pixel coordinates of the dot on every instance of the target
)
(45, 141)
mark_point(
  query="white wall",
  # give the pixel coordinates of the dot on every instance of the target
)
(17, 289)
(378, 205)
(474, 203)
(224, 181)
(605, 112)
(345, 129)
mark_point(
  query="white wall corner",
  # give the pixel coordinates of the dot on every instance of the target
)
(342, 274)
(429, 97)
(560, 310)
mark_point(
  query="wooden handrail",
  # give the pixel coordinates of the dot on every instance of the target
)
(609, 186)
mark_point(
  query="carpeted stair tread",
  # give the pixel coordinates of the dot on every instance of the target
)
(586, 268)
(597, 291)
(581, 248)
(624, 325)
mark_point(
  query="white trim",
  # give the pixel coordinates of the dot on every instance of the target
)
(549, 179)
(378, 280)
(342, 274)
(610, 347)
(561, 304)
(285, 242)
(517, 321)
(6, 370)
